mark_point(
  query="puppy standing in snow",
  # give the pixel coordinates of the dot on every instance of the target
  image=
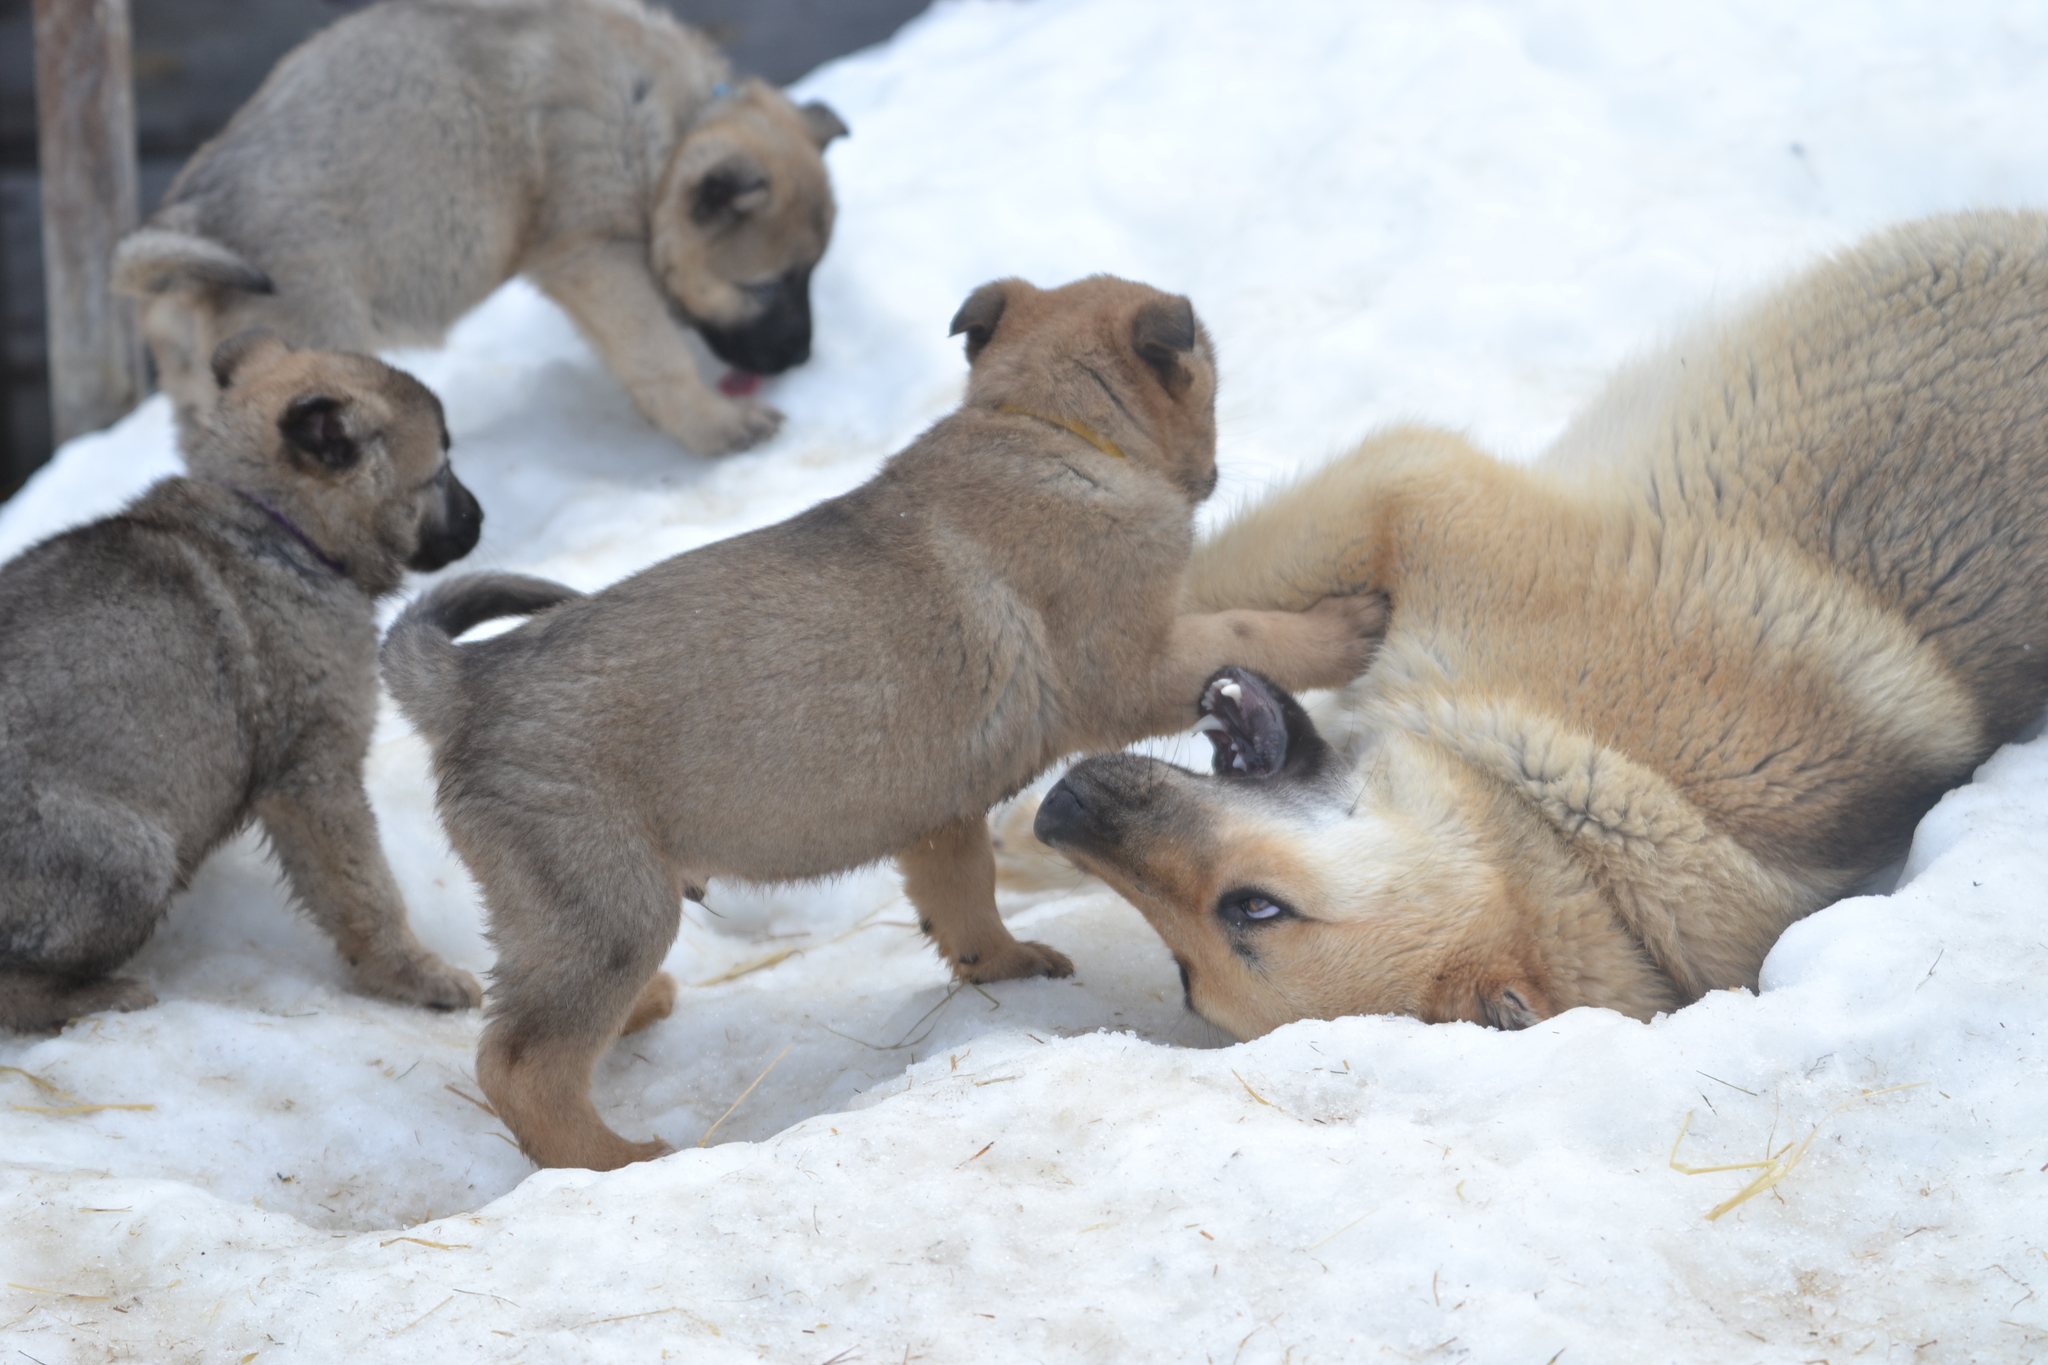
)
(401, 165)
(1641, 706)
(208, 656)
(865, 679)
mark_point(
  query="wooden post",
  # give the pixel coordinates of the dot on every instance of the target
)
(85, 127)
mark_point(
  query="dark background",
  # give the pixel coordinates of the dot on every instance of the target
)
(196, 61)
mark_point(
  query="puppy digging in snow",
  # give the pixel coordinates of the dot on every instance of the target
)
(207, 657)
(863, 680)
(1691, 677)
(402, 164)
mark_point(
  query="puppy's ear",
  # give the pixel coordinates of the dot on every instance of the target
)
(313, 426)
(734, 187)
(978, 317)
(258, 343)
(822, 123)
(1163, 335)
(1513, 1005)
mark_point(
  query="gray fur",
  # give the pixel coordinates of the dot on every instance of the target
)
(399, 166)
(190, 664)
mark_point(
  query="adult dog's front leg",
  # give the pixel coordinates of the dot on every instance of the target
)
(619, 305)
(950, 876)
(1326, 646)
(326, 838)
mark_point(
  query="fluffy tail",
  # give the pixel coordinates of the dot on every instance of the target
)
(153, 259)
(1319, 536)
(421, 661)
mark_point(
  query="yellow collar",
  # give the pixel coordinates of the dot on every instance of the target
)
(1088, 434)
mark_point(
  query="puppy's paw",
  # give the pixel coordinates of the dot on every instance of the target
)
(729, 426)
(1351, 630)
(1014, 961)
(423, 979)
(657, 1002)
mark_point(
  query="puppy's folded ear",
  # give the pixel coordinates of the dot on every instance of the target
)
(1163, 335)
(258, 343)
(822, 123)
(732, 188)
(979, 315)
(314, 426)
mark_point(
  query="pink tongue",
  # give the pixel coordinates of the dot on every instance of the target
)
(738, 383)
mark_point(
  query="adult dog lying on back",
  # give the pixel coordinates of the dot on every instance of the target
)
(1639, 707)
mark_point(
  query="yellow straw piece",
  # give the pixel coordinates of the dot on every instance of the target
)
(1779, 1165)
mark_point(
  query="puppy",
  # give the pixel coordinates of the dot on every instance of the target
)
(401, 165)
(206, 657)
(865, 679)
(1691, 677)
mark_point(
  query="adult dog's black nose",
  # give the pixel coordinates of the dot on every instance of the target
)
(1060, 815)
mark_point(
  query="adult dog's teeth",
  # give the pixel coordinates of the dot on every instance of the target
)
(1207, 723)
(1236, 759)
(1232, 690)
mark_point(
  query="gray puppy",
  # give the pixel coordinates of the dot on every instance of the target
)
(399, 166)
(863, 680)
(206, 656)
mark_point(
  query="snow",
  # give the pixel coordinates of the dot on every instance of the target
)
(1467, 213)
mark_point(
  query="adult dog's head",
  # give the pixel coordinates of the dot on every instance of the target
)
(743, 212)
(353, 453)
(1301, 881)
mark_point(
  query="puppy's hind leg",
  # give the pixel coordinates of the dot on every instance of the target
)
(950, 876)
(581, 922)
(82, 886)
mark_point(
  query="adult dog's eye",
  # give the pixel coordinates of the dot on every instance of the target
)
(1240, 908)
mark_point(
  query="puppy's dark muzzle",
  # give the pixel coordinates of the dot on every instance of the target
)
(776, 340)
(453, 533)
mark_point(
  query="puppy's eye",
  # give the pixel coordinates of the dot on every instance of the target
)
(1241, 908)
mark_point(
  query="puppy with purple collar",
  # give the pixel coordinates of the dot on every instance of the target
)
(207, 657)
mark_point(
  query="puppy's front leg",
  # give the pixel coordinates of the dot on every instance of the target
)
(1326, 646)
(950, 876)
(620, 307)
(326, 838)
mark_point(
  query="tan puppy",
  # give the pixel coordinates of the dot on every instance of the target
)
(863, 680)
(207, 657)
(1641, 706)
(399, 166)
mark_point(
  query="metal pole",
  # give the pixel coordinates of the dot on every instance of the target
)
(85, 126)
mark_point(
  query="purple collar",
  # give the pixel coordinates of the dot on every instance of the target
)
(282, 520)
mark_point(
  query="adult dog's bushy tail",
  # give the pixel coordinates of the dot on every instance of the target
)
(420, 658)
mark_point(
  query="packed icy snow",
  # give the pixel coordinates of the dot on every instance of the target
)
(1460, 212)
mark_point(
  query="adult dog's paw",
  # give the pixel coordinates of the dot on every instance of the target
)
(1352, 628)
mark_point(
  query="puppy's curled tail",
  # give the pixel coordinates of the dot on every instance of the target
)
(422, 663)
(153, 259)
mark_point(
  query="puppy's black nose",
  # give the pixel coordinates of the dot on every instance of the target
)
(1060, 815)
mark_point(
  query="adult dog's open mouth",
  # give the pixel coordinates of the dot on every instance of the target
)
(1245, 719)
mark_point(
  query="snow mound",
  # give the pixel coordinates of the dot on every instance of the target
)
(1461, 212)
